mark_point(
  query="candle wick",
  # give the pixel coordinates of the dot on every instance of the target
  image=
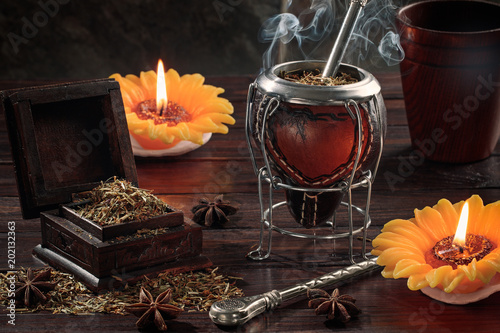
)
(162, 108)
(461, 249)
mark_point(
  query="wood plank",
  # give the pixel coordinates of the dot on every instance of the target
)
(402, 204)
(223, 166)
(377, 315)
(236, 175)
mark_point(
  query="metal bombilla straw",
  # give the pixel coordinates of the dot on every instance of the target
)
(340, 46)
(237, 311)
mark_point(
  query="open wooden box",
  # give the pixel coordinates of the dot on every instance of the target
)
(66, 139)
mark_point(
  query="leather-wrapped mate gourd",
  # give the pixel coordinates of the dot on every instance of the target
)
(312, 137)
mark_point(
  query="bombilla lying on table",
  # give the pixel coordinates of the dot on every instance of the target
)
(237, 311)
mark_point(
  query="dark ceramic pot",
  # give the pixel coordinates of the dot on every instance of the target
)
(312, 140)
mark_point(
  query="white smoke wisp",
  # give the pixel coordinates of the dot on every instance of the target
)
(310, 35)
(314, 24)
(390, 49)
(375, 36)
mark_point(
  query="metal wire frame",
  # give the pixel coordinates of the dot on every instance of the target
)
(265, 175)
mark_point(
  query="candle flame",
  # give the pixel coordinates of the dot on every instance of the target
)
(459, 238)
(161, 89)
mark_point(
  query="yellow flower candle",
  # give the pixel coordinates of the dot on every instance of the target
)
(189, 109)
(430, 251)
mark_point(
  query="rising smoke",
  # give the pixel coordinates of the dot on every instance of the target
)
(375, 36)
(308, 31)
(311, 32)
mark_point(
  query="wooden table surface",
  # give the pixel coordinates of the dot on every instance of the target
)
(223, 166)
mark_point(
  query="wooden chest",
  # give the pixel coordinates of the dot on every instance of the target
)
(66, 139)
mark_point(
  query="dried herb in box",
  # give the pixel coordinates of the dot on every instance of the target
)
(118, 201)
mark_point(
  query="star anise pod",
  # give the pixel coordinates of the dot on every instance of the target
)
(335, 306)
(29, 290)
(154, 311)
(214, 212)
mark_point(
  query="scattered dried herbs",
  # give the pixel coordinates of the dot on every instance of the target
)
(213, 213)
(118, 201)
(154, 311)
(191, 291)
(314, 78)
(335, 306)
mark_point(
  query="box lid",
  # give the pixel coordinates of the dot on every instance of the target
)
(65, 139)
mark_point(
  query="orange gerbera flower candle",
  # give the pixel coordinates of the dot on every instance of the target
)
(450, 251)
(166, 109)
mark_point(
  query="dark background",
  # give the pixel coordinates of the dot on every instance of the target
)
(96, 38)
(76, 39)
(89, 39)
